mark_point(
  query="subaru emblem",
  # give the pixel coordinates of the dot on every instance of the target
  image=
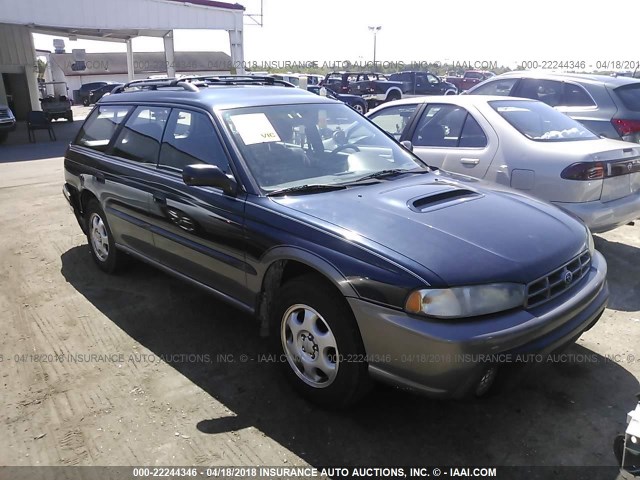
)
(568, 277)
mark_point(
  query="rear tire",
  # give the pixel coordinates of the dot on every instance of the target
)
(3, 136)
(101, 242)
(322, 353)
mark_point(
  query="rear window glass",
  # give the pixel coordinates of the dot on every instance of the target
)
(630, 96)
(540, 122)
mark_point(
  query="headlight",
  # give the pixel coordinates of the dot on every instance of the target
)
(590, 243)
(462, 302)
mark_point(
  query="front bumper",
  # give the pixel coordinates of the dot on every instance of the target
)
(9, 126)
(448, 358)
(603, 216)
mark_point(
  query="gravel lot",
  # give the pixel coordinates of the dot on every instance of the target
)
(150, 396)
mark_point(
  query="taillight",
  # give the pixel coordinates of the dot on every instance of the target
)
(629, 130)
(584, 171)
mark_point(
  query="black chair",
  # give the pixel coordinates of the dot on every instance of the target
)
(39, 121)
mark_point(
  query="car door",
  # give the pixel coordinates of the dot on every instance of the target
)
(450, 137)
(119, 179)
(198, 231)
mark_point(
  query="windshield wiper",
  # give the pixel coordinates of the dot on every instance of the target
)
(311, 188)
(390, 172)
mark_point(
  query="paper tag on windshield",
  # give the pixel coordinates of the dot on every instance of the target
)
(255, 128)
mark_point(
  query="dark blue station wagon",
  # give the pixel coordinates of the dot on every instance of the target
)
(358, 260)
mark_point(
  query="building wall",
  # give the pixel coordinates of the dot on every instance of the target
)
(17, 57)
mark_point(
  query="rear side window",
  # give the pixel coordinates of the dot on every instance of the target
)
(496, 87)
(191, 139)
(440, 126)
(576, 96)
(394, 120)
(100, 126)
(630, 96)
(139, 139)
(547, 91)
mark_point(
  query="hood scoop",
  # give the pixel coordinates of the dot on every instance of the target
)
(442, 198)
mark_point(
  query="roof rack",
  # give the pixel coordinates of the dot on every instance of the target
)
(237, 80)
(154, 84)
(191, 83)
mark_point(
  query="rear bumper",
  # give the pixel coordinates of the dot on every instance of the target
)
(73, 198)
(603, 216)
(448, 359)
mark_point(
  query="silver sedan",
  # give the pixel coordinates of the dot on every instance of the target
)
(526, 145)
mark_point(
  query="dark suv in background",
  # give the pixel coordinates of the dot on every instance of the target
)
(608, 106)
(92, 92)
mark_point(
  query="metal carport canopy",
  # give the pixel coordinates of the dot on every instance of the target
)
(121, 20)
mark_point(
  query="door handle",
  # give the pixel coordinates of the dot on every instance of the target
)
(160, 198)
(99, 177)
(470, 161)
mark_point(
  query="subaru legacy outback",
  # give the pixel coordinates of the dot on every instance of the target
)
(358, 260)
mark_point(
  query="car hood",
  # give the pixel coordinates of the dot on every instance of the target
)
(449, 229)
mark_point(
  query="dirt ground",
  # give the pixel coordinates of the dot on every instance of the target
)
(141, 369)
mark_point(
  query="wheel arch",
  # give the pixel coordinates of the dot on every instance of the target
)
(284, 263)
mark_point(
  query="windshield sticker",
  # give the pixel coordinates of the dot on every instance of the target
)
(255, 128)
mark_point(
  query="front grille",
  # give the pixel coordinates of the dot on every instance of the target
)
(558, 281)
(4, 113)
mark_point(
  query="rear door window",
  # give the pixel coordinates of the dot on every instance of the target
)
(496, 87)
(139, 139)
(630, 96)
(97, 131)
(191, 139)
(394, 120)
(440, 126)
(547, 91)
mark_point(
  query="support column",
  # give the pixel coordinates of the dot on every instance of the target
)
(130, 69)
(31, 72)
(237, 51)
(169, 54)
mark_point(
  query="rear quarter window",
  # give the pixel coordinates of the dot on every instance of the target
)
(97, 130)
(630, 96)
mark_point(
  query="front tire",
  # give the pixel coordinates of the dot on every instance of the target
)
(323, 354)
(360, 108)
(101, 241)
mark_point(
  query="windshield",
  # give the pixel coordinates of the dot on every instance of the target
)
(330, 144)
(538, 121)
(630, 96)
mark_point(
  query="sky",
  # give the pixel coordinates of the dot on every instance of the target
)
(502, 31)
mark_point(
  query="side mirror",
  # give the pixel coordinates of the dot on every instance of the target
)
(205, 175)
(407, 144)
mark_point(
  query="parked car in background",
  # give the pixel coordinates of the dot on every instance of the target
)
(354, 101)
(98, 93)
(608, 106)
(375, 88)
(355, 256)
(469, 79)
(423, 83)
(7, 122)
(526, 145)
(84, 93)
